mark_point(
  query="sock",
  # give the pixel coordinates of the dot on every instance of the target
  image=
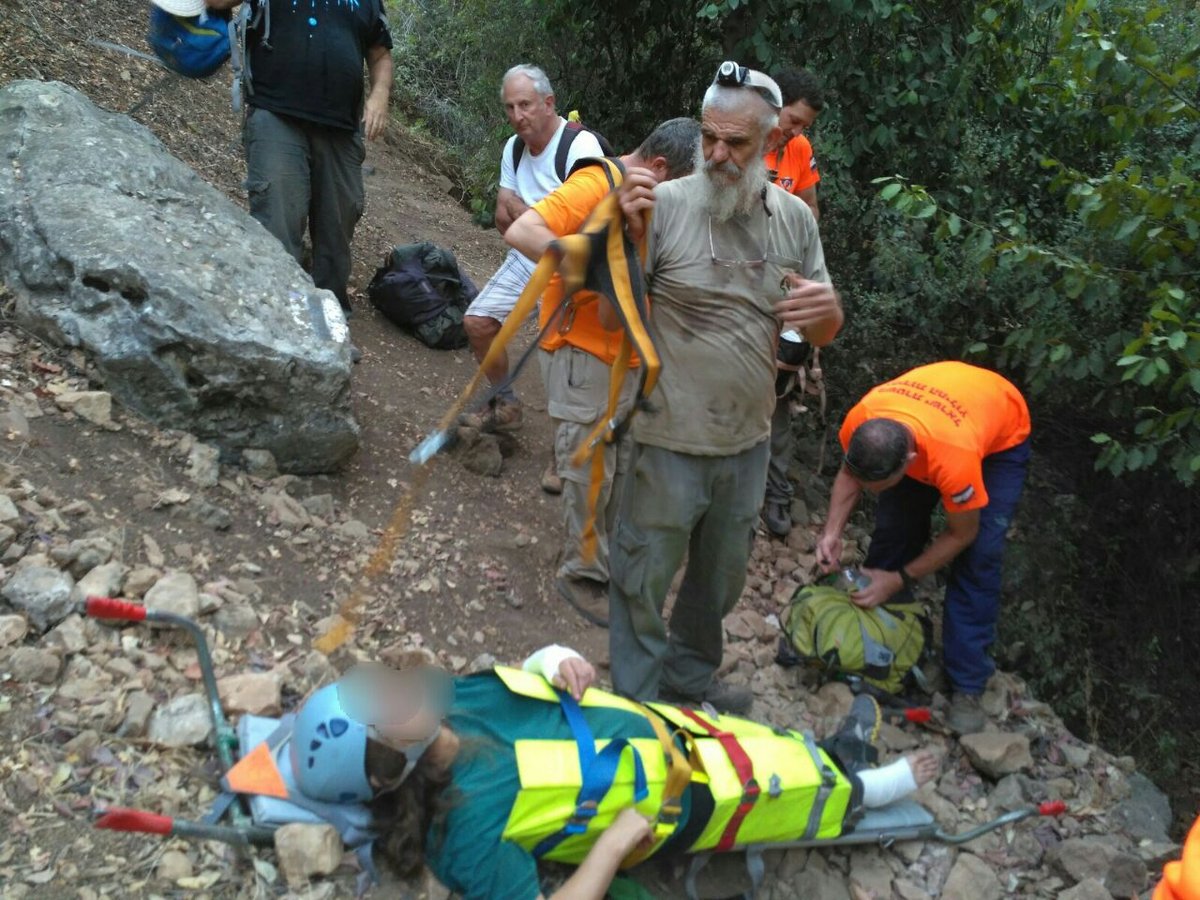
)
(888, 783)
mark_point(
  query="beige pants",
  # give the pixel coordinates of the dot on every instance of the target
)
(577, 399)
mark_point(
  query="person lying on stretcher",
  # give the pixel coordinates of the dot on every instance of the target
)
(481, 776)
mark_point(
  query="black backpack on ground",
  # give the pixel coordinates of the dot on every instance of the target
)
(421, 288)
(573, 130)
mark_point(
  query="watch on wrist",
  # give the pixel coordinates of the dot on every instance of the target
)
(909, 582)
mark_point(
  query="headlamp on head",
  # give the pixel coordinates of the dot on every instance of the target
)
(731, 74)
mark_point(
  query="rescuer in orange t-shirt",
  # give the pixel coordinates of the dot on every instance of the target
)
(1181, 878)
(947, 431)
(577, 351)
(791, 166)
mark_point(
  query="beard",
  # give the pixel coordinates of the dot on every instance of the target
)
(729, 190)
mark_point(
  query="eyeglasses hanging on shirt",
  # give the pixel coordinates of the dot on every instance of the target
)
(756, 263)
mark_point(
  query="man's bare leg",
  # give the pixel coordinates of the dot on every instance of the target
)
(505, 414)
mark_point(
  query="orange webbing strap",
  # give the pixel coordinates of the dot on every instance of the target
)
(621, 280)
(679, 776)
(744, 768)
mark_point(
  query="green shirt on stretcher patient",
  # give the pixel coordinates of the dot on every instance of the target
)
(478, 777)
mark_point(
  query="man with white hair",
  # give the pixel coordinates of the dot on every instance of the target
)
(530, 169)
(733, 260)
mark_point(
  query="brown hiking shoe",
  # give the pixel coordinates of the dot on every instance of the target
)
(499, 415)
(551, 482)
(589, 598)
(966, 714)
(723, 697)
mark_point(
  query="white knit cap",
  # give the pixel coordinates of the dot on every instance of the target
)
(181, 7)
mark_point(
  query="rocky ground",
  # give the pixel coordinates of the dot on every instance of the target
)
(94, 501)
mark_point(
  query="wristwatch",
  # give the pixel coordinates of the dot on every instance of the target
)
(910, 583)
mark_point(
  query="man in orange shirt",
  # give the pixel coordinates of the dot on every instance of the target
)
(577, 352)
(790, 165)
(1181, 878)
(946, 431)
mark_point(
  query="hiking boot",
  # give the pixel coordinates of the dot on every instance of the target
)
(854, 741)
(499, 415)
(966, 714)
(724, 698)
(589, 598)
(551, 482)
(777, 516)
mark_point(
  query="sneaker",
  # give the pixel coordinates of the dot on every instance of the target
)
(966, 714)
(589, 598)
(777, 516)
(724, 698)
(551, 482)
(854, 741)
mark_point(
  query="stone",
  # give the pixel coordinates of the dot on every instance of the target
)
(14, 425)
(204, 465)
(260, 464)
(907, 890)
(9, 514)
(1077, 756)
(353, 530)
(482, 456)
(200, 510)
(1122, 874)
(103, 581)
(140, 580)
(1145, 815)
(319, 505)
(870, 872)
(42, 593)
(182, 722)
(284, 510)
(173, 865)
(7, 536)
(82, 555)
(68, 635)
(33, 665)
(12, 629)
(971, 879)
(819, 879)
(997, 753)
(236, 620)
(257, 693)
(306, 850)
(139, 706)
(209, 327)
(93, 406)
(1088, 889)
(175, 592)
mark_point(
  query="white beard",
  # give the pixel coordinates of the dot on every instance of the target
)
(723, 199)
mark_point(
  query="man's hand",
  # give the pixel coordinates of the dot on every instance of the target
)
(629, 830)
(829, 552)
(575, 675)
(636, 198)
(884, 585)
(808, 304)
(375, 112)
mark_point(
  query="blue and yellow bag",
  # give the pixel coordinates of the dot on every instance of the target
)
(194, 46)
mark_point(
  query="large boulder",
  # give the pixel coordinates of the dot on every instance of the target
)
(195, 316)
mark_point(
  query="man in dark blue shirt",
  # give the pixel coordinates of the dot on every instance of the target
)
(306, 115)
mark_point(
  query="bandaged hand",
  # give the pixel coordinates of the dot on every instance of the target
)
(564, 668)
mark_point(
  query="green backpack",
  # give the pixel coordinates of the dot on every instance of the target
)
(884, 645)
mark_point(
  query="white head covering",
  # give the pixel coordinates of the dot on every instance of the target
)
(181, 7)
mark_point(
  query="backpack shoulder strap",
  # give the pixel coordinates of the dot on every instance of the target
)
(518, 150)
(614, 171)
(572, 131)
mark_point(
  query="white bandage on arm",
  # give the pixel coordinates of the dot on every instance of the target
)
(886, 784)
(545, 662)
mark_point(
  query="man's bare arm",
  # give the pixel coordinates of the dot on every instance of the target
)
(379, 72)
(509, 208)
(809, 196)
(529, 234)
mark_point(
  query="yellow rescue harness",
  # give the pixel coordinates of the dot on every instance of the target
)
(768, 785)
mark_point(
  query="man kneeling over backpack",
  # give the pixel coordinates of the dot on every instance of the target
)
(576, 354)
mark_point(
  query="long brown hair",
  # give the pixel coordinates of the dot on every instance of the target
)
(404, 816)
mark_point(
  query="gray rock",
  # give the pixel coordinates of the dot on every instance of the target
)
(1092, 857)
(102, 581)
(12, 629)
(284, 510)
(972, 879)
(68, 635)
(200, 510)
(236, 620)
(353, 530)
(183, 722)
(997, 753)
(7, 536)
(1146, 814)
(204, 465)
(195, 316)
(139, 581)
(34, 665)
(260, 463)
(307, 850)
(9, 514)
(175, 592)
(92, 406)
(1088, 889)
(14, 424)
(483, 456)
(42, 593)
(139, 706)
(319, 505)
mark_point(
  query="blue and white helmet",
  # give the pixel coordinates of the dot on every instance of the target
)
(329, 751)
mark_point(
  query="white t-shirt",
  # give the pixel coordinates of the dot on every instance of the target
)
(535, 176)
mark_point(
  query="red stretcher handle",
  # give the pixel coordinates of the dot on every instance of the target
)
(919, 714)
(1052, 808)
(111, 608)
(121, 819)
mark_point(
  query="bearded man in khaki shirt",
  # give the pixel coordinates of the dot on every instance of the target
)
(733, 260)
